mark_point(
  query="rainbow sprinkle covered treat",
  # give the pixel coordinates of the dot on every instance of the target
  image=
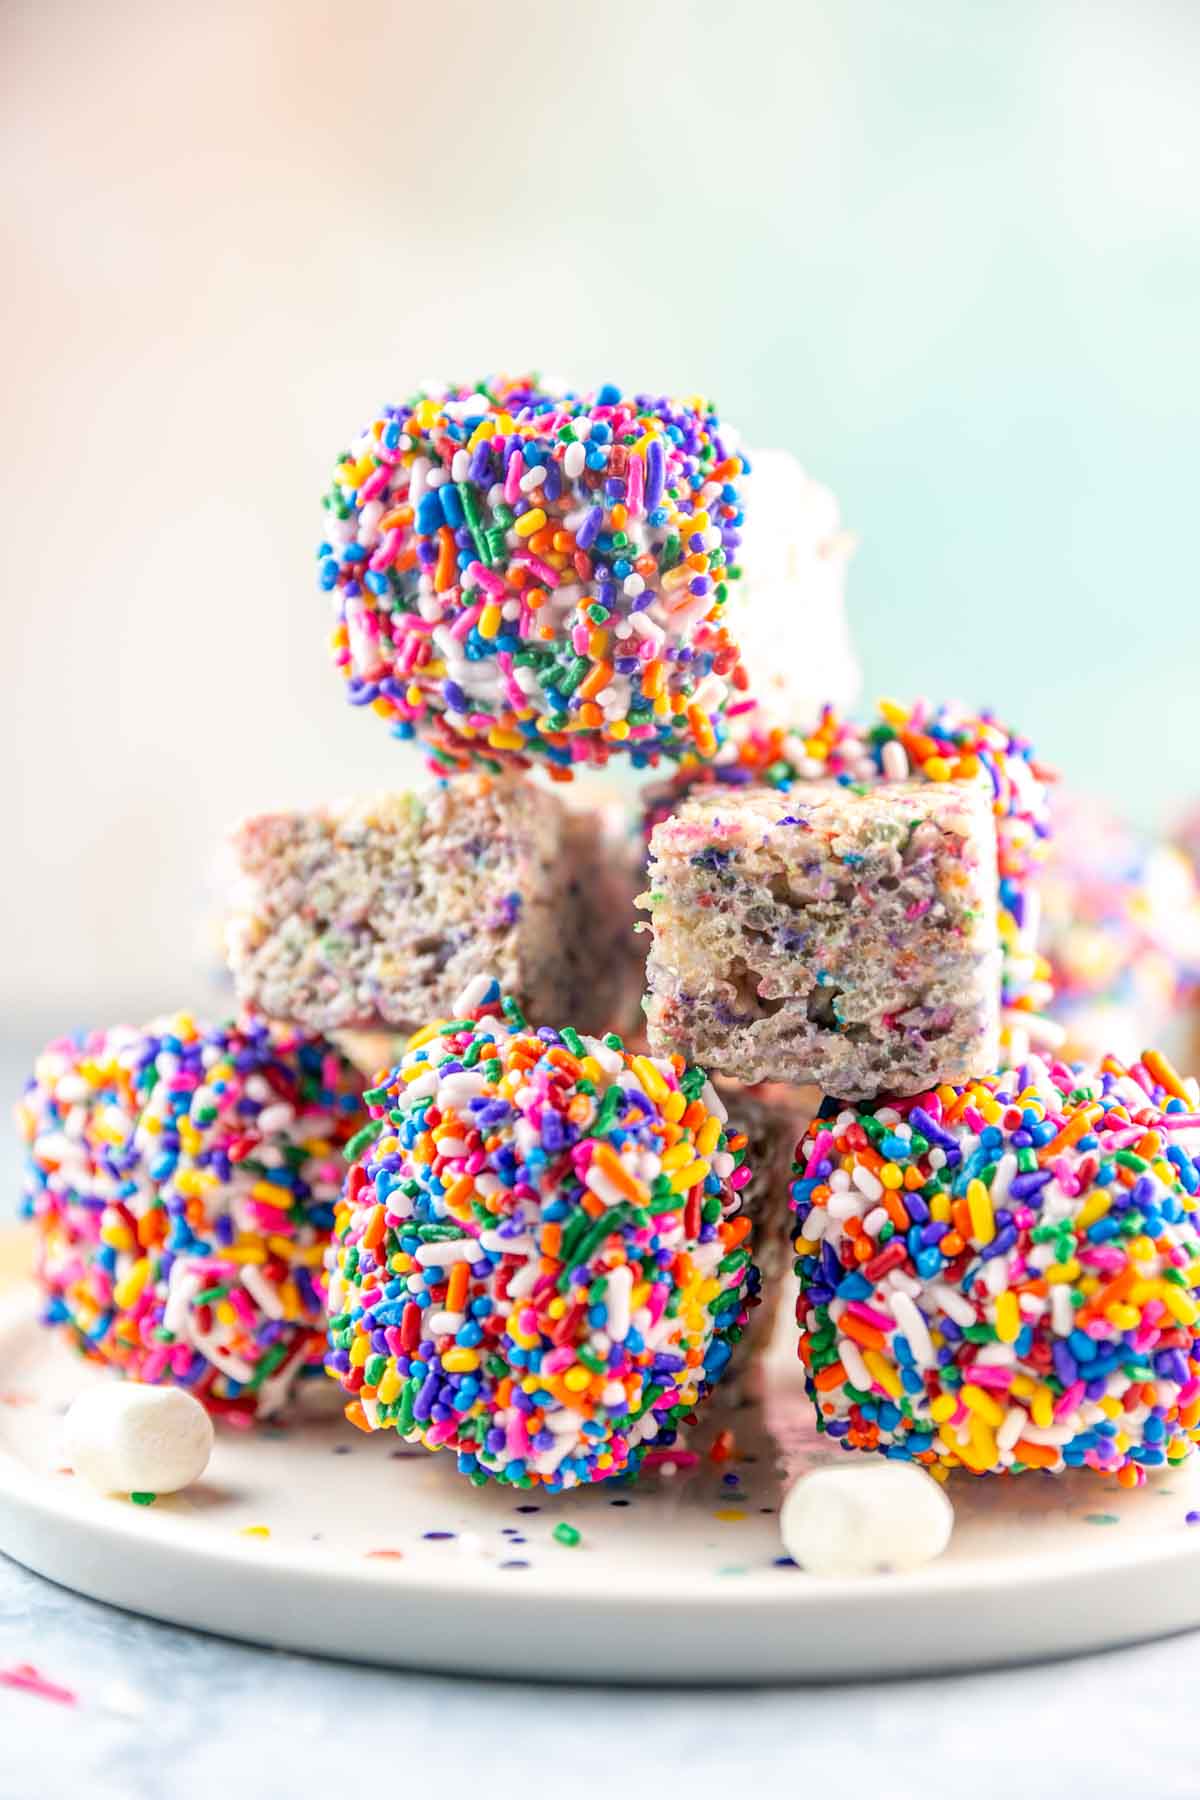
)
(935, 743)
(182, 1181)
(522, 576)
(1006, 1276)
(540, 1258)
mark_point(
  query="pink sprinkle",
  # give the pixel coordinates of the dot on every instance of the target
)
(546, 575)
(988, 1375)
(741, 1176)
(485, 578)
(386, 551)
(635, 484)
(270, 1218)
(822, 1145)
(28, 1679)
(881, 1321)
(681, 1459)
(466, 619)
(1099, 1256)
(1069, 1400)
(512, 479)
(373, 485)
(409, 655)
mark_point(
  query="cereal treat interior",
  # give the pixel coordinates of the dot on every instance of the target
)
(837, 935)
(379, 913)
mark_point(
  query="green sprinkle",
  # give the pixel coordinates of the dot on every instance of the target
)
(566, 1534)
(143, 1499)
(361, 1139)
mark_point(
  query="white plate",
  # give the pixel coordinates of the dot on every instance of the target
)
(312, 1536)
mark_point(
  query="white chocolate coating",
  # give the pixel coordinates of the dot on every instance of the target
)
(788, 614)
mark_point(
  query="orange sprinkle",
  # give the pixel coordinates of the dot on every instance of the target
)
(446, 567)
(861, 1332)
(457, 1287)
(1164, 1072)
(1037, 1456)
(1076, 1127)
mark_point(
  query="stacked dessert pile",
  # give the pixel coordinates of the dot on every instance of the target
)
(550, 1244)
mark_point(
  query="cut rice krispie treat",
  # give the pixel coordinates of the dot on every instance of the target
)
(377, 914)
(837, 935)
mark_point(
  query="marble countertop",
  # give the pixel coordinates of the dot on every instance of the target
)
(164, 1714)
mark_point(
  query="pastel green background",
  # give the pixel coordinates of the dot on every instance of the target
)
(945, 251)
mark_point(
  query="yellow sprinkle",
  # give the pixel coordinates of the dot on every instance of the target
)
(1179, 1304)
(708, 1135)
(1057, 1273)
(390, 1385)
(1043, 1407)
(576, 1378)
(127, 1290)
(730, 1515)
(489, 620)
(689, 1177)
(884, 1373)
(1008, 1317)
(1125, 1318)
(360, 1349)
(939, 1209)
(460, 1361)
(943, 1408)
(256, 1531)
(1093, 1209)
(979, 1203)
(650, 1079)
(891, 1175)
(981, 1452)
(980, 1404)
(529, 522)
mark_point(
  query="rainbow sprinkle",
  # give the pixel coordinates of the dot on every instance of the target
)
(941, 743)
(541, 1260)
(1006, 1276)
(182, 1182)
(523, 576)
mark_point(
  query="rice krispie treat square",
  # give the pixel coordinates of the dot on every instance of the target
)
(378, 914)
(830, 934)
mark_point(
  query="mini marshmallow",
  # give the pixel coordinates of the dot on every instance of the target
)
(870, 1519)
(127, 1438)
